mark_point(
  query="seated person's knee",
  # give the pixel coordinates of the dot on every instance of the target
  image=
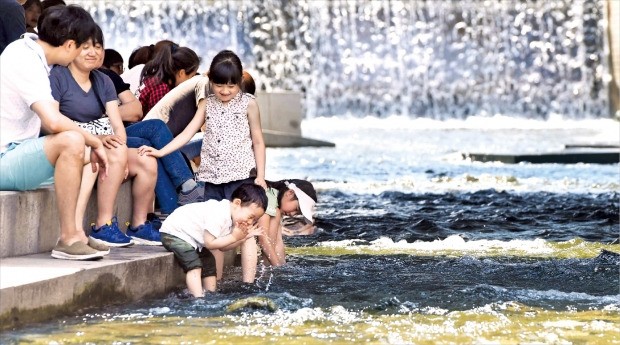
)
(117, 154)
(71, 141)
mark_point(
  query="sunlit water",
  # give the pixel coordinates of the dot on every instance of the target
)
(415, 245)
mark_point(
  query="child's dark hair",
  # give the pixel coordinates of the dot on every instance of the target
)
(226, 68)
(304, 185)
(250, 193)
(168, 61)
(58, 24)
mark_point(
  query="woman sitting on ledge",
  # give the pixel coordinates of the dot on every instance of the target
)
(88, 98)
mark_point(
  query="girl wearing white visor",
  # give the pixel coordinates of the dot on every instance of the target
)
(285, 198)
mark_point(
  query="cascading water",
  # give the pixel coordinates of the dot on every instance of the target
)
(434, 59)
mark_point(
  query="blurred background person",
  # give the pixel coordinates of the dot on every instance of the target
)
(114, 61)
(12, 22)
(32, 12)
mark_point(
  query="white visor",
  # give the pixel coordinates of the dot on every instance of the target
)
(306, 203)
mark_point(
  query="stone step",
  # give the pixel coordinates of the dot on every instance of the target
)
(37, 288)
(29, 220)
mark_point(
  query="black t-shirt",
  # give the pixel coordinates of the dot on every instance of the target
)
(119, 84)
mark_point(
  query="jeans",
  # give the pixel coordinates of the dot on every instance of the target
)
(192, 149)
(172, 170)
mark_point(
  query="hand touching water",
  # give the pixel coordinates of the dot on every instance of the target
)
(244, 232)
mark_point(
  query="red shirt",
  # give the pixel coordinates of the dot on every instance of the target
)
(151, 91)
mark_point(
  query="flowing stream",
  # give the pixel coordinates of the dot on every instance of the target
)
(414, 243)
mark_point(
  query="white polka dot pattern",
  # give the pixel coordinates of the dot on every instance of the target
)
(226, 153)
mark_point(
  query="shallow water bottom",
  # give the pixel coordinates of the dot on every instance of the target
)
(498, 323)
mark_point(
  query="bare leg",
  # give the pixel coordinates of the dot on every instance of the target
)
(249, 259)
(88, 182)
(194, 283)
(143, 170)
(209, 283)
(271, 243)
(279, 247)
(219, 262)
(108, 188)
(66, 152)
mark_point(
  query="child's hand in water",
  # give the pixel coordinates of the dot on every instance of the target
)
(243, 231)
(254, 230)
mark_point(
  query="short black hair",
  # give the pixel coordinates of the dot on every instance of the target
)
(112, 57)
(30, 3)
(59, 24)
(45, 4)
(250, 193)
(98, 36)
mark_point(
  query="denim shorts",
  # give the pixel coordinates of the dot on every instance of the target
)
(24, 166)
(190, 258)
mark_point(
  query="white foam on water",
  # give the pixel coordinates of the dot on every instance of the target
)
(564, 296)
(467, 183)
(419, 155)
(453, 243)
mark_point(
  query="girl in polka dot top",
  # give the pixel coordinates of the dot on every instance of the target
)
(233, 149)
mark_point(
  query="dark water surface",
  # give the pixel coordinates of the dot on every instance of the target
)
(485, 214)
(414, 245)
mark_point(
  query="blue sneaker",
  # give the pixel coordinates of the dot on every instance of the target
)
(154, 219)
(144, 234)
(110, 235)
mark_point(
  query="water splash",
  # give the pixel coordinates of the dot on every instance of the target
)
(435, 59)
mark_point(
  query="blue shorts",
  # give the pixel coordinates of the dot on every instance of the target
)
(25, 166)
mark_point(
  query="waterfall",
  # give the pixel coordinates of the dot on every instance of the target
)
(436, 59)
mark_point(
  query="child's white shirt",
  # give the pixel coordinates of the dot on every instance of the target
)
(189, 222)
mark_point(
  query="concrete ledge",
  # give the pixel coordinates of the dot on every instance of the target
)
(280, 111)
(281, 116)
(283, 139)
(38, 288)
(29, 220)
(568, 156)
